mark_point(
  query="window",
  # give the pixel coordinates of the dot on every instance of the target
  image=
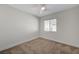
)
(50, 25)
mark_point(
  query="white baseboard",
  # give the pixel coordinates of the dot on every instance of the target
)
(63, 42)
(10, 46)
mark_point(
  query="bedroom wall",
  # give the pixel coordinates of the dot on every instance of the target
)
(16, 27)
(67, 27)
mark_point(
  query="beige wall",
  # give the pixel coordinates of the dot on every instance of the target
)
(16, 27)
(67, 27)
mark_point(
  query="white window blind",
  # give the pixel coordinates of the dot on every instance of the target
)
(50, 25)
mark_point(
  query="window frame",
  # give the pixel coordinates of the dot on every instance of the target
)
(51, 23)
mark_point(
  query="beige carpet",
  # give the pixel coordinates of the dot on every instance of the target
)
(42, 46)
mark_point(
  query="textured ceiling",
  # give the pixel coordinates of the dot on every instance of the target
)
(34, 9)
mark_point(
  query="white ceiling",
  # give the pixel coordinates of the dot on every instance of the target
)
(34, 9)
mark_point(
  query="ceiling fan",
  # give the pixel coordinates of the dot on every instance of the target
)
(42, 7)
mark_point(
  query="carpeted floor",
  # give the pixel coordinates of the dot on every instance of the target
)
(42, 46)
